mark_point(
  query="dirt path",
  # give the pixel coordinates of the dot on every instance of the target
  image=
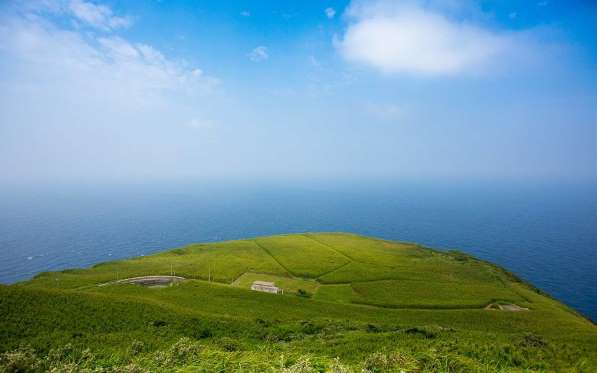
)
(505, 307)
(147, 280)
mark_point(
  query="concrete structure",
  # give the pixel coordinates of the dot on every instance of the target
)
(267, 287)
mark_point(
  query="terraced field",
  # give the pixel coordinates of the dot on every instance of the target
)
(373, 304)
(379, 272)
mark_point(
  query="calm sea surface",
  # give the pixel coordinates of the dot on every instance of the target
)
(547, 235)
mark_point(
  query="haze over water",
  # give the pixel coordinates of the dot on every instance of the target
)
(546, 235)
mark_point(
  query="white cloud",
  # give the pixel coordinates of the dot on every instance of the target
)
(330, 12)
(107, 66)
(96, 105)
(98, 16)
(120, 49)
(258, 54)
(414, 38)
(245, 13)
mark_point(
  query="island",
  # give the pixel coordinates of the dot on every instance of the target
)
(311, 302)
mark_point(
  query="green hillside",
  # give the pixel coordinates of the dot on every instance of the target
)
(350, 304)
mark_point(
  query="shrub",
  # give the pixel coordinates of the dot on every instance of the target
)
(303, 293)
(229, 344)
(21, 360)
(183, 351)
(459, 256)
(66, 368)
(62, 358)
(309, 328)
(279, 334)
(425, 331)
(448, 363)
(204, 333)
(371, 328)
(302, 365)
(137, 347)
(532, 340)
(59, 355)
(380, 362)
(338, 367)
(262, 322)
(131, 368)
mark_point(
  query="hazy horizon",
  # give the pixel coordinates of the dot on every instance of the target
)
(141, 92)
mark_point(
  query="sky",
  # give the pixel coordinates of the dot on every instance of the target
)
(107, 91)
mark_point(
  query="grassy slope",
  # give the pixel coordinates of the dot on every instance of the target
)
(431, 309)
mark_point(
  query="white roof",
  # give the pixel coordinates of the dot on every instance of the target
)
(263, 283)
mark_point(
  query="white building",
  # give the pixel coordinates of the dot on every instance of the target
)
(267, 287)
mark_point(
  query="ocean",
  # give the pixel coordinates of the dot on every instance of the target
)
(544, 234)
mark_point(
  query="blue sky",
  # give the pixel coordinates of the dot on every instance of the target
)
(297, 90)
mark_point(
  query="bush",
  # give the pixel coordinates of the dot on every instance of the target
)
(371, 328)
(131, 368)
(66, 368)
(204, 333)
(59, 355)
(279, 334)
(67, 359)
(302, 365)
(459, 256)
(309, 328)
(448, 363)
(380, 362)
(22, 360)
(338, 367)
(426, 331)
(532, 340)
(137, 347)
(183, 351)
(229, 344)
(263, 323)
(303, 293)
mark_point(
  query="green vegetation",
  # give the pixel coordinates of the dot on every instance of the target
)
(350, 304)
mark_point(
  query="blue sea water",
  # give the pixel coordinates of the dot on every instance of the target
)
(545, 234)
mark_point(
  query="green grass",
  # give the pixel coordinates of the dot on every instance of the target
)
(422, 294)
(335, 293)
(301, 255)
(373, 304)
(225, 261)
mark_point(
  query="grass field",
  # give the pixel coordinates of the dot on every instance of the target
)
(364, 304)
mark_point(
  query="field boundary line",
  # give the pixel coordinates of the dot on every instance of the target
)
(262, 273)
(328, 246)
(233, 283)
(425, 307)
(333, 270)
(274, 258)
(309, 235)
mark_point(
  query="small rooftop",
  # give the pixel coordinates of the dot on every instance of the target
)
(263, 283)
